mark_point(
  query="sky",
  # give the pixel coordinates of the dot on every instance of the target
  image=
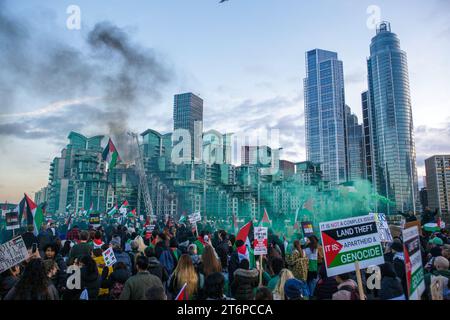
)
(245, 58)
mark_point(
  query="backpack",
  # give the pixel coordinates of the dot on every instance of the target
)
(167, 260)
(116, 290)
(354, 295)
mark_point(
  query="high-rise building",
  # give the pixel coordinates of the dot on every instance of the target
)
(188, 114)
(354, 146)
(393, 154)
(367, 137)
(324, 114)
(438, 183)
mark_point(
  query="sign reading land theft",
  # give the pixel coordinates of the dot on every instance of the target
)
(260, 241)
(307, 228)
(12, 220)
(12, 253)
(413, 263)
(383, 227)
(195, 217)
(348, 241)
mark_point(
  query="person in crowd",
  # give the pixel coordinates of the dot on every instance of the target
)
(185, 273)
(326, 286)
(51, 252)
(8, 280)
(312, 253)
(347, 288)
(29, 238)
(115, 281)
(137, 286)
(263, 294)
(277, 265)
(154, 266)
(440, 275)
(80, 249)
(156, 293)
(296, 261)
(278, 292)
(34, 284)
(295, 289)
(65, 250)
(214, 286)
(97, 241)
(209, 262)
(74, 234)
(103, 293)
(192, 251)
(398, 261)
(245, 281)
(173, 244)
(391, 285)
(120, 254)
(45, 237)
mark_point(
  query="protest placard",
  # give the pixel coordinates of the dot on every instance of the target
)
(307, 228)
(109, 257)
(12, 220)
(195, 217)
(348, 241)
(383, 227)
(12, 253)
(260, 241)
(413, 263)
(94, 219)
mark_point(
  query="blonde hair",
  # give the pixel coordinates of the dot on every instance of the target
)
(185, 273)
(285, 275)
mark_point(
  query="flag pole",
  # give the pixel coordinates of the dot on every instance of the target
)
(260, 269)
(359, 279)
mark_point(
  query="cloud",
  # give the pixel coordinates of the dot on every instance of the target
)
(431, 141)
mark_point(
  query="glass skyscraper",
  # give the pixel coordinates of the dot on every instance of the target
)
(354, 146)
(324, 114)
(390, 122)
(187, 113)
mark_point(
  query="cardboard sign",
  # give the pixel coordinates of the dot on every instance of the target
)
(109, 257)
(12, 221)
(150, 228)
(12, 253)
(349, 240)
(260, 242)
(195, 217)
(94, 219)
(307, 228)
(383, 227)
(413, 263)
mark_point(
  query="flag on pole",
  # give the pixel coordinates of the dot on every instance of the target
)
(91, 208)
(113, 210)
(123, 208)
(243, 233)
(182, 295)
(235, 223)
(111, 155)
(35, 215)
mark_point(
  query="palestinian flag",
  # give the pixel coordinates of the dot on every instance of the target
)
(111, 155)
(91, 208)
(132, 214)
(113, 210)
(123, 208)
(265, 221)
(182, 295)
(243, 233)
(34, 214)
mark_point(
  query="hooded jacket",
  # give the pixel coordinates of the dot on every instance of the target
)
(156, 268)
(343, 294)
(244, 283)
(390, 288)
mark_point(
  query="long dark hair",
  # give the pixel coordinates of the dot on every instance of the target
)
(33, 284)
(89, 264)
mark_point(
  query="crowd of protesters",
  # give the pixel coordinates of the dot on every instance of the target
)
(208, 264)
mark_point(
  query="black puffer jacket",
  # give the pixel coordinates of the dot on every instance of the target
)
(244, 283)
(390, 288)
(157, 269)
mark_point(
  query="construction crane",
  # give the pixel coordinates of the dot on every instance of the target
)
(143, 182)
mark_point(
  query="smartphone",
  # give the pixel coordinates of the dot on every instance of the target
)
(34, 248)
